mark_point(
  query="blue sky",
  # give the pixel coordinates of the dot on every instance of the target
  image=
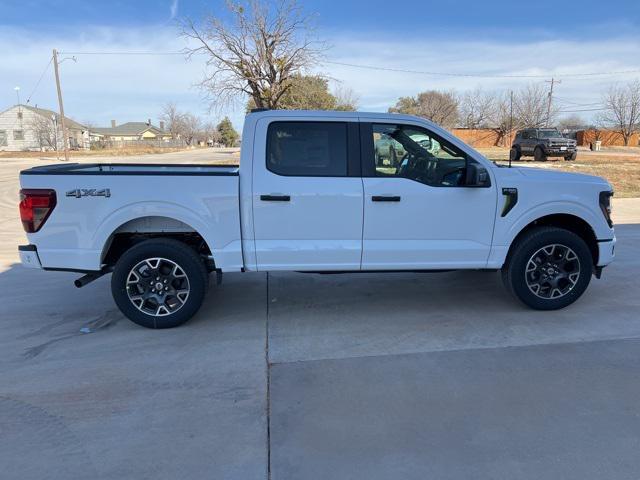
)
(504, 37)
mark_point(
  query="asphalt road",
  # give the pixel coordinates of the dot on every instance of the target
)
(320, 376)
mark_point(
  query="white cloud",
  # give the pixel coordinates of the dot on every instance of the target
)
(128, 88)
(173, 9)
(379, 89)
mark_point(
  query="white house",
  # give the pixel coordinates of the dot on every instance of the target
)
(23, 127)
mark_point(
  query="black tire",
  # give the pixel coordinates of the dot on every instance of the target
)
(190, 276)
(538, 155)
(572, 157)
(514, 154)
(517, 278)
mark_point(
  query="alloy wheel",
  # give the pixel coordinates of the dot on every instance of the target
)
(157, 286)
(552, 271)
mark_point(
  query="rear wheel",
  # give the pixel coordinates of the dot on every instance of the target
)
(159, 283)
(549, 268)
(538, 155)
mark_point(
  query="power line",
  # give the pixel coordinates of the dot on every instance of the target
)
(571, 104)
(480, 75)
(586, 110)
(386, 69)
(39, 80)
(122, 53)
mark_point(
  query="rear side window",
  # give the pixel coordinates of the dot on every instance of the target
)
(307, 149)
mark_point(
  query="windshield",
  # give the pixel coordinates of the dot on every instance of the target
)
(553, 133)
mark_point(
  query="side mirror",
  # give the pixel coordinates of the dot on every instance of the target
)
(477, 176)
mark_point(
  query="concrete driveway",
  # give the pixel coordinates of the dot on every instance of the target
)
(295, 376)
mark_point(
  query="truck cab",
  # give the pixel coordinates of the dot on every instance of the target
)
(311, 195)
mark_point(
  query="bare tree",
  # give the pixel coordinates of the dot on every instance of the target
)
(439, 107)
(501, 119)
(477, 108)
(190, 126)
(346, 99)
(255, 53)
(173, 119)
(622, 105)
(571, 122)
(44, 130)
(211, 134)
(530, 107)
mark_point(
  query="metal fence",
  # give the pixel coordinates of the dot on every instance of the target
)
(114, 144)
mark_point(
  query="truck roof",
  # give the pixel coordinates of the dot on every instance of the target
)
(334, 114)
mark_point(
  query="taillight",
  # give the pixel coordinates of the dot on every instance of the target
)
(35, 207)
(605, 206)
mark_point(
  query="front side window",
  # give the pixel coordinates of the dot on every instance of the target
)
(307, 149)
(18, 135)
(412, 152)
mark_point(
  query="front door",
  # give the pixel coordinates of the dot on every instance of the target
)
(418, 214)
(307, 195)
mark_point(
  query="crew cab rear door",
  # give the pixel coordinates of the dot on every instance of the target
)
(307, 194)
(419, 215)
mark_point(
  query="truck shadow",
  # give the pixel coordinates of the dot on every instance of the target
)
(42, 310)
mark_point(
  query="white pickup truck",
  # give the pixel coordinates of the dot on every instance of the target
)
(311, 195)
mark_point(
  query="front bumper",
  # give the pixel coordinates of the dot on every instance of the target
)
(558, 150)
(606, 251)
(29, 256)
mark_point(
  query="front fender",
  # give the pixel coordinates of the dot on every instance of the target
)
(506, 233)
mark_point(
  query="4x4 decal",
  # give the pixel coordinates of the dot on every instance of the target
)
(89, 192)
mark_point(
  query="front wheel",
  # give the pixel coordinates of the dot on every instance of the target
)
(548, 268)
(572, 157)
(514, 154)
(539, 155)
(159, 283)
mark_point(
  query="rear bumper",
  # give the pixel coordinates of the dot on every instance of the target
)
(606, 251)
(29, 256)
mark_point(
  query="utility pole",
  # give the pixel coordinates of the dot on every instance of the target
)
(553, 81)
(62, 123)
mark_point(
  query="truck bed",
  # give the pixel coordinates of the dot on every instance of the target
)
(132, 169)
(96, 202)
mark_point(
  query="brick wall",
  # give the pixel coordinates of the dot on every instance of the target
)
(608, 138)
(481, 138)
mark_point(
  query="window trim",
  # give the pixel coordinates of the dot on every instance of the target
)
(15, 139)
(5, 136)
(353, 148)
(368, 157)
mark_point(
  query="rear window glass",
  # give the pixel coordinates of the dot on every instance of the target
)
(307, 148)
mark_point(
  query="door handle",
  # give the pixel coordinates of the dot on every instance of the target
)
(385, 198)
(275, 198)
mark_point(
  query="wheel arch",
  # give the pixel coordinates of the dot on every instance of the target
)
(139, 228)
(566, 221)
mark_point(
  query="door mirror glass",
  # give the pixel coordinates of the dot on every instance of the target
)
(477, 176)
